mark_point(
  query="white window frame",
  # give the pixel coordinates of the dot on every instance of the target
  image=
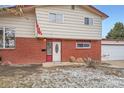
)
(4, 29)
(55, 18)
(83, 42)
(90, 22)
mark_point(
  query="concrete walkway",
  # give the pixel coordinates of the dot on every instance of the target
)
(114, 64)
(55, 64)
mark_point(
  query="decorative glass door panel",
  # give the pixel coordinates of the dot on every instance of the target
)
(49, 52)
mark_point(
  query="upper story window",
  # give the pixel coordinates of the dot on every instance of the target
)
(83, 44)
(56, 18)
(88, 21)
(73, 7)
(7, 38)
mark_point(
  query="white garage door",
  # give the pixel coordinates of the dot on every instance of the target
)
(112, 52)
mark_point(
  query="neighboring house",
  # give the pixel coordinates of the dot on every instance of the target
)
(112, 50)
(51, 33)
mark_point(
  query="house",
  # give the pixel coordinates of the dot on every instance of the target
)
(51, 34)
(112, 50)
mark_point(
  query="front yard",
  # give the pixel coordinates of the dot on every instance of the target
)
(60, 77)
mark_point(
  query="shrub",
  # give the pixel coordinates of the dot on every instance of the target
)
(114, 72)
(90, 62)
(79, 60)
(72, 59)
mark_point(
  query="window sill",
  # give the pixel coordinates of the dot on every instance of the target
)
(83, 48)
(88, 24)
(56, 22)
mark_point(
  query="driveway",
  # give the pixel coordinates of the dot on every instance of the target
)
(59, 77)
(115, 64)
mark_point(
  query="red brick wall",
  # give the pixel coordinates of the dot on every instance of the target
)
(69, 49)
(28, 50)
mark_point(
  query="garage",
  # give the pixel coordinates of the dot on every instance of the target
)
(112, 50)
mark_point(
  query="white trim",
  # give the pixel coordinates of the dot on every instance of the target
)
(83, 42)
(113, 42)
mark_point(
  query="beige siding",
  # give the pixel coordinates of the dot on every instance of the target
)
(73, 26)
(23, 26)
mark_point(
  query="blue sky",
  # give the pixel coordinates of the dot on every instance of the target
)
(2, 6)
(115, 13)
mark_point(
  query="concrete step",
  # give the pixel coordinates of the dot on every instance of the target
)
(55, 64)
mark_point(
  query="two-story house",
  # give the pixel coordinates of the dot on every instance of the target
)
(51, 34)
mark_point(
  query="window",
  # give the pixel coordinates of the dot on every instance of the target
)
(7, 38)
(73, 7)
(1, 38)
(57, 48)
(52, 17)
(55, 18)
(88, 21)
(49, 48)
(59, 18)
(83, 44)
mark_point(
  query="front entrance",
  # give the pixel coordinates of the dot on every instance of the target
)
(56, 51)
(53, 51)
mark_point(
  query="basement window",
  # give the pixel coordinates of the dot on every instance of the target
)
(7, 38)
(83, 45)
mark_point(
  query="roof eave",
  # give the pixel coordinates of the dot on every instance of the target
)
(96, 11)
(88, 7)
